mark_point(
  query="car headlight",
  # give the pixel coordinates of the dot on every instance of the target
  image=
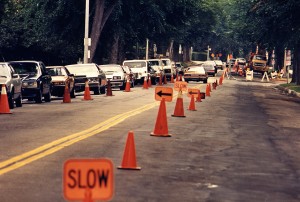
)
(30, 84)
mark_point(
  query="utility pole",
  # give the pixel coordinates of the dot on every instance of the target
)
(147, 48)
(87, 40)
(208, 49)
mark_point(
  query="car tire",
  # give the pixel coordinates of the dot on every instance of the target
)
(19, 101)
(96, 91)
(205, 81)
(47, 97)
(11, 100)
(102, 90)
(123, 86)
(38, 97)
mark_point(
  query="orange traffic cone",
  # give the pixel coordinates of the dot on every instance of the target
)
(149, 82)
(172, 79)
(177, 77)
(179, 111)
(87, 93)
(210, 87)
(192, 106)
(4, 106)
(145, 86)
(127, 87)
(67, 97)
(214, 86)
(165, 79)
(129, 158)
(161, 125)
(221, 80)
(109, 90)
(199, 97)
(180, 77)
(207, 91)
(160, 80)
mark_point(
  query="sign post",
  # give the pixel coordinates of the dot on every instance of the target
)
(88, 179)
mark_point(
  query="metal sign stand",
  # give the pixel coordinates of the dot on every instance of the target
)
(265, 75)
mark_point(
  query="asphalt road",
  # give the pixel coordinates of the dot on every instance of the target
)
(242, 144)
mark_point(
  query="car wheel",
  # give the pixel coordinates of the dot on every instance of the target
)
(96, 91)
(19, 101)
(47, 97)
(10, 100)
(205, 81)
(102, 89)
(72, 93)
(123, 86)
(38, 97)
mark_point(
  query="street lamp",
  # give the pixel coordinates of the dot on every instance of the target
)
(208, 49)
(87, 40)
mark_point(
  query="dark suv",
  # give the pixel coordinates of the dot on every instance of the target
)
(36, 82)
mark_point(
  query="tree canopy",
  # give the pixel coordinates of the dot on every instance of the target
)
(53, 31)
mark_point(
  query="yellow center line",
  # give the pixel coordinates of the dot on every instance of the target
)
(56, 145)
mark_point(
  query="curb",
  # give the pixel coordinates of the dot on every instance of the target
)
(288, 91)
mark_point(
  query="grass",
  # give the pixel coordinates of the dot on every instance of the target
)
(292, 86)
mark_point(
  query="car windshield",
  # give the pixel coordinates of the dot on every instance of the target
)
(25, 68)
(166, 62)
(57, 71)
(260, 57)
(135, 64)
(81, 69)
(154, 62)
(3, 71)
(111, 68)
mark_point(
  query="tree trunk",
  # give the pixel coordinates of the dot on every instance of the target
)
(296, 66)
(113, 59)
(101, 15)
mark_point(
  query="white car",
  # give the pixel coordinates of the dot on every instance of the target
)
(13, 84)
(90, 72)
(117, 75)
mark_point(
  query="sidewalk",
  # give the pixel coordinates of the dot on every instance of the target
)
(285, 89)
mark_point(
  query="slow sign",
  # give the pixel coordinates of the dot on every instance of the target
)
(180, 84)
(91, 178)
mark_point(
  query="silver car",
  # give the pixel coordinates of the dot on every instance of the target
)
(13, 84)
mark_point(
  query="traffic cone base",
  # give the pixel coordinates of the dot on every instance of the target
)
(160, 135)
(4, 106)
(129, 158)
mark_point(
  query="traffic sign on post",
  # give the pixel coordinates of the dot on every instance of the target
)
(180, 85)
(192, 91)
(164, 92)
(92, 178)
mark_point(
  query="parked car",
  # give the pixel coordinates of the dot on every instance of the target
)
(219, 64)
(141, 69)
(13, 84)
(60, 77)
(116, 75)
(168, 69)
(196, 73)
(210, 67)
(90, 72)
(36, 82)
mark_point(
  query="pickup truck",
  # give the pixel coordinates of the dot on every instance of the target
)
(258, 63)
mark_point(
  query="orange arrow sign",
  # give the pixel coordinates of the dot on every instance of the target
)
(88, 179)
(192, 91)
(180, 84)
(164, 92)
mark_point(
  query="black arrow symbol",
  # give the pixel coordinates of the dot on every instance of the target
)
(191, 92)
(160, 93)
